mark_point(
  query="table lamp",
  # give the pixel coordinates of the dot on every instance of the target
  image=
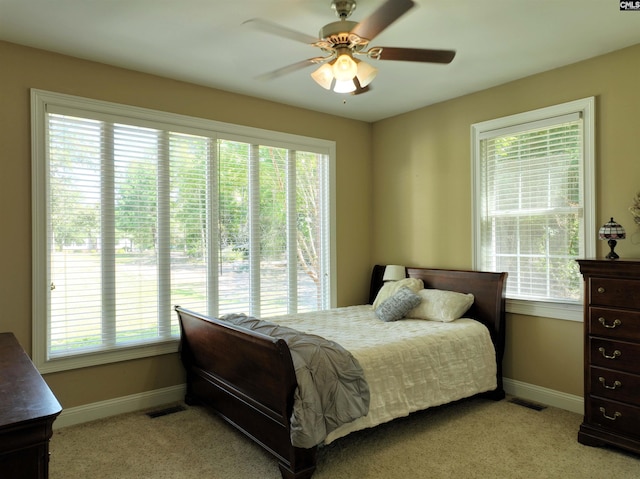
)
(612, 231)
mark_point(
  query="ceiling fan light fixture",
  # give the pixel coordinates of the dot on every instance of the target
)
(344, 86)
(366, 73)
(323, 76)
(344, 68)
(344, 40)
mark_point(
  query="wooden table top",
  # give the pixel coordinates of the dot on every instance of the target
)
(24, 395)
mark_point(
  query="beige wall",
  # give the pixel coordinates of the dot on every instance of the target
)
(422, 185)
(399, 182)
(23, 68)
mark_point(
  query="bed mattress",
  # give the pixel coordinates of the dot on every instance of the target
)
(410, 364)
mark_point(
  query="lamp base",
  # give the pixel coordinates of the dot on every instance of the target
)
(612, 254)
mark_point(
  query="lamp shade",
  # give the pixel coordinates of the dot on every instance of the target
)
(344, 68)
(394, 272)
(366, 73)
(344, 86)
(324, 76)
(612, 230)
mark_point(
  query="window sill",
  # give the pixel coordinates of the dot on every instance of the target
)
(566, 311)
(106, 357)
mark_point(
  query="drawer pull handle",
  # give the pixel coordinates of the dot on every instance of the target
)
(616, 323)
(615, 354)
(601, 289)
(616, 384)
(615, 416)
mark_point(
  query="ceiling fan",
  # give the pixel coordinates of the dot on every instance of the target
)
(343, 41)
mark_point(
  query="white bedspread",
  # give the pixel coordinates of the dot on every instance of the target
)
(409, 364)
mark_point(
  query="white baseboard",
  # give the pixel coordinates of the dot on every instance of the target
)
(545, 396)
(121, 405)
(159, 397)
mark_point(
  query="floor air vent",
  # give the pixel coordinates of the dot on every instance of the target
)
(165, 411)
(529, 404)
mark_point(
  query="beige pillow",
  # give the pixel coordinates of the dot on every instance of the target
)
(391, 287)
(440, 305)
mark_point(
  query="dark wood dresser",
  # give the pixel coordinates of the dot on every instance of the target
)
(27, 411)
(611, 354)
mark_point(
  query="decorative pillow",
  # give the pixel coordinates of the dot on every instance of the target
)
(395, 307)
(440, 305)
(391, 287)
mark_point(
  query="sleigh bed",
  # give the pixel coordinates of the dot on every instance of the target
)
(246, 374)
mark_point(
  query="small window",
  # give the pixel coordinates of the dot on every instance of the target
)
(534, 204)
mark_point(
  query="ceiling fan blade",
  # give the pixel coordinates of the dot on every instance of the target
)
(275, 29)
(292, 68)
(384, 16)
(416, 55)
(359, 88)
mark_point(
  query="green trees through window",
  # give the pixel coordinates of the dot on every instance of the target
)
(140, 218)
(533, 202)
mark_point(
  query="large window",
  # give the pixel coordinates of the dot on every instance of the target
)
(533, 194)
(136, 211)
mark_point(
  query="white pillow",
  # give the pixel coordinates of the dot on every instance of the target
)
(440, 305)
(391, 287)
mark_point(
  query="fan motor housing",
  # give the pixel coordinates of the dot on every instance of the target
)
(338, 33)
(342, 27)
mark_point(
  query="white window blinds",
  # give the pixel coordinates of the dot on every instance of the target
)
(530, 206)
(139, 215)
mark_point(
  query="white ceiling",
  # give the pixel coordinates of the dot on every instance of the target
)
(205, 42)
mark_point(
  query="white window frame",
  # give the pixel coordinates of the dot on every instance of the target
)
(586, 109)
(40, 102)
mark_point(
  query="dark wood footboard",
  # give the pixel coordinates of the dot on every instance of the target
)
(249, 380)
(254, 394)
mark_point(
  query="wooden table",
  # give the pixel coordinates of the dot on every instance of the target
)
(27, 411)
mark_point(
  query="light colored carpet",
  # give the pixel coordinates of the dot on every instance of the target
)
(476, 438)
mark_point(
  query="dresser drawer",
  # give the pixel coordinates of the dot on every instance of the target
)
(621, 293)
(612, 384)
(614, 416)
(611, 354)
(614, 323)
(618, 355)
